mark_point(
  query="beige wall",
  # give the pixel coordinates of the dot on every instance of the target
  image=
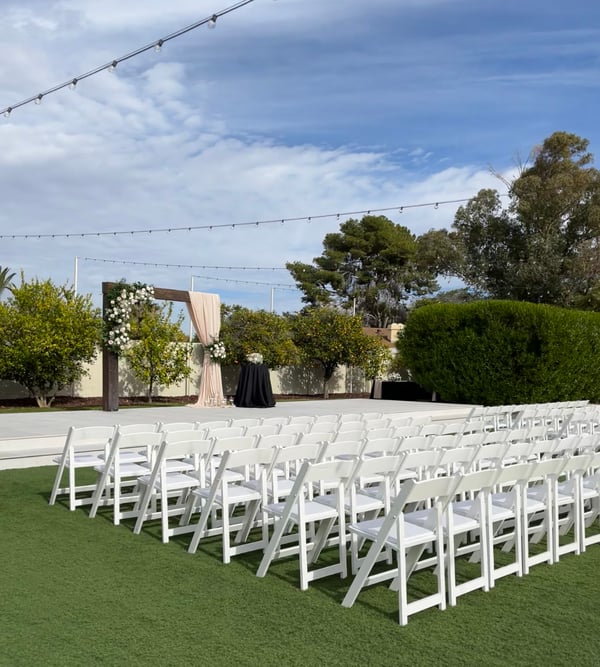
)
(289, 380)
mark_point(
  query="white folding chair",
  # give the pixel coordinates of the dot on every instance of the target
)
(409, 541)
(81, 450)
(121, 470)
(262, 430)
(188, 450)
(223, 495)
(300, 510)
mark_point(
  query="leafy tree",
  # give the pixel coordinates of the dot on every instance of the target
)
(371, 267)
(544, 246)
(244, 331)
(47, 335)
(331, 338)
(159, 355)
(5, 279)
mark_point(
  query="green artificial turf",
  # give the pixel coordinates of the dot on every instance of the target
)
(80, 591)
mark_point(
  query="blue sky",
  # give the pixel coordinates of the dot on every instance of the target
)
(289, 108)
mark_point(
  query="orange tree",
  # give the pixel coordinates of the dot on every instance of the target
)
(330, 338)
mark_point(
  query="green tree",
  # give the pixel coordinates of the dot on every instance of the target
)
(331, 338)
(544, 246)
(47, 335)
(371, 267)
(6, 278)
(159, 354)
(244, 331)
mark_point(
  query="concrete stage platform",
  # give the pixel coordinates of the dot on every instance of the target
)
(31, 439)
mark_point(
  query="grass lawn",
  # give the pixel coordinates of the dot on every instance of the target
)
(76, 591)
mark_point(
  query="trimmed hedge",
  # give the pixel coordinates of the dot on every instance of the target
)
(503, 352)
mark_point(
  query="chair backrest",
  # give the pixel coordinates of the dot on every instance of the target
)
(346, 426)
(323, 427)
(301, 419)
(295, 427)
(350, 417)
(148, 427)
(339, 448)
(246, 422)
(349, 435)
(490, 455)
(307, 438)
(431, 429)
(121, 441)
(424, 463)
(233, 443)
(443, 441)
(277, 440)
(406, 431)
(375, 424)
(169, 427)
(262, 430)
(87, 439)
(332, 419)
(276, 421)
(377, 433)
(177, 445)
(369, 416)
(381, 446)
(226, 432)
(413, 442)
(215, 423)
(458, 459)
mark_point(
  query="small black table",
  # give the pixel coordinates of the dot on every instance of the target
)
(254, 387)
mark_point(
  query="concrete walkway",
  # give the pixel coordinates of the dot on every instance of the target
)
(31, 439)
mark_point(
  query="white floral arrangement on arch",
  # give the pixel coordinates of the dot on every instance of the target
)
(254, 358)
(121, 300)
(216, 351)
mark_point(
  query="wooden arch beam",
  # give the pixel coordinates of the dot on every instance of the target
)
(110, 360)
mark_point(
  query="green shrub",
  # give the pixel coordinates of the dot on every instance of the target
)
(502, 352)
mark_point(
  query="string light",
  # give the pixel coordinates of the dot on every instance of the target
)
(112, 65)
(212, 23)
(210, 227)
(185, 266)
(292, 288)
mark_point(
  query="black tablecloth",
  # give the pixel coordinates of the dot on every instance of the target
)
(254, 387)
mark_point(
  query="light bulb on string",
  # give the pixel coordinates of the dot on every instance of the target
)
(73, 84)
(158, 46)
(113, 66)
(212, 22)
(7, 112)
(38, 99)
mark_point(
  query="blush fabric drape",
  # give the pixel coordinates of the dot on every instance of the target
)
(205, 313)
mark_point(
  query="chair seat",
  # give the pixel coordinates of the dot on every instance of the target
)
(175, 481)
(130, 457)
(125, 469)
(81, 461)
(460, 522)
(173, 465)
(362, 503)
(313, 510)
(235, 493)
(535, 503)
(413, 533)
(471, 508)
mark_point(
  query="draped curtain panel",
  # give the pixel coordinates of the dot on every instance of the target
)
(205, 313)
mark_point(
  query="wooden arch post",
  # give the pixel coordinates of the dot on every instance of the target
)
(110, 360)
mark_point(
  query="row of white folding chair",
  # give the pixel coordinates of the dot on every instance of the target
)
(404, 529)
(88, 447)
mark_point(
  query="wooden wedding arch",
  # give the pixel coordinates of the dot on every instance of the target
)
(211, 373)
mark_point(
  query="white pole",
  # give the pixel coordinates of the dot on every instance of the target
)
(75, 274)
(272, 294)
(191, 325)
